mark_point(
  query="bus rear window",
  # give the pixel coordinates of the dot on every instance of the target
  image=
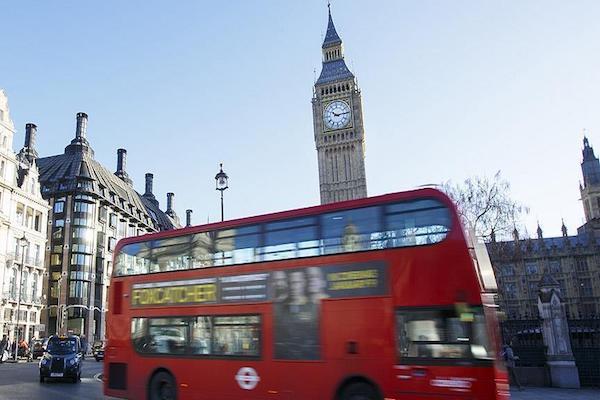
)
(430, 335)
(402, 224)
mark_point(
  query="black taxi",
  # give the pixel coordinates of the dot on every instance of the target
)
(62, 359)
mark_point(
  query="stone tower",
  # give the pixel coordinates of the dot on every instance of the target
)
(590, 190)
(338, 125)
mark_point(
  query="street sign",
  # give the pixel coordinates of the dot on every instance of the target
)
(40, 327)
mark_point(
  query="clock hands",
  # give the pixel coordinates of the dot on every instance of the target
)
(337, 115)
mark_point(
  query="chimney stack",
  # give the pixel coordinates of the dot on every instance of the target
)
(149, 181)
(81, 130)
(170, 202)
(29, 146)
(80, 143)
(188, 218)
(121, 160)
(30, 131)
(121, 164)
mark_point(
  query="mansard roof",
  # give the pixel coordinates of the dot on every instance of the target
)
(335, 70)
(68, 172)
(163, 221)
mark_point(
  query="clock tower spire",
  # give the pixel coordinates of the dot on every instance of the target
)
(338, 125)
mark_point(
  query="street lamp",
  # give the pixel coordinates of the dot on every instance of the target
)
(23, 243)
(221, 185)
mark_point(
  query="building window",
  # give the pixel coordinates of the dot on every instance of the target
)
(533, 289)
(79, 289)
(555, 266)
(23, 287)
(34, 286)
(122, 229)
(112, 242)
(508, 270)
(56, 259)
(103, 213)
(59, 207)
(581, 264)
(585, 287)
(531, 268)
(81, 261)
(19, 215)
(112, 222)
(85, 234)
(510, 290)
(37, 257)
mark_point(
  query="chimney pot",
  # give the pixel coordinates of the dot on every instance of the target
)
(170, 197)
(121, 160)
(149, 181)
(81, 130)
(30, 131)
(188, 217)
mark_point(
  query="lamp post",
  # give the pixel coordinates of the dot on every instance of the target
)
(221, 185)
(23, 243)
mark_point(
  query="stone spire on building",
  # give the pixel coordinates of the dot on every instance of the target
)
(539, 231)
(563, 228)
(590, 190)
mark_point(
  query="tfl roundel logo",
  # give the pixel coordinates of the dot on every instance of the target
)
(247, 378)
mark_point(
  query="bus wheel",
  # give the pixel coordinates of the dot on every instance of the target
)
(359, 391)
(162, 387)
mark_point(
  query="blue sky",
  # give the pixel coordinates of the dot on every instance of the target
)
(450, 90)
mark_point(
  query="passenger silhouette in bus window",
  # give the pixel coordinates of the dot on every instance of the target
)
(351, 238)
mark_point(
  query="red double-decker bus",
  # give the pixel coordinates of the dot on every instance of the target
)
(370, 299)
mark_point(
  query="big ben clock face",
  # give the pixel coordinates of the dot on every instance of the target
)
(337, 114)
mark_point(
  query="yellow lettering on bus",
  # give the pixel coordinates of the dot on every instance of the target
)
(174, 295)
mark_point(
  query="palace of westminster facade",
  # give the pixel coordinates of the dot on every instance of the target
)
(61, 216)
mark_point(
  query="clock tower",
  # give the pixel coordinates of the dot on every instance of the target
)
(338, 125)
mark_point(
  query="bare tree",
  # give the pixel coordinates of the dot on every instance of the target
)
(485, 205)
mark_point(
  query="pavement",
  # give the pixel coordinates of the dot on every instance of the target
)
(531, 393)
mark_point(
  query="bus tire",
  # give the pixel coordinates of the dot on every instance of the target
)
(359, 391)
(162, 387)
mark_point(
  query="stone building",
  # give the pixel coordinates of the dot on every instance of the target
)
(573, 261)
(23, 225)
(91, 209)
(338, 125)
